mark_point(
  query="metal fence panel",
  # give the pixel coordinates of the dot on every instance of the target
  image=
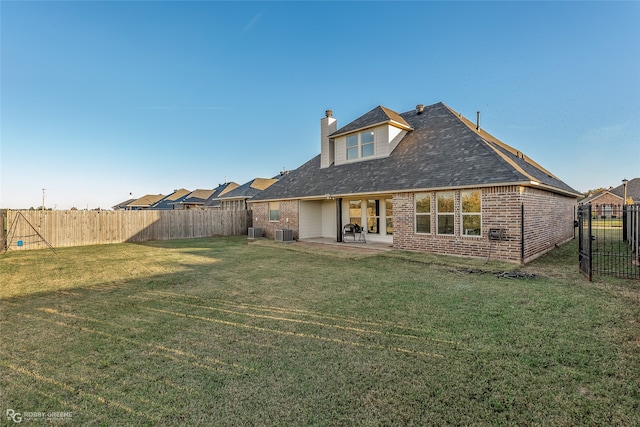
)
(609, 239)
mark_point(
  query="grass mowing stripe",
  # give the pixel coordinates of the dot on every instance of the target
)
(73, 390)
(310, 322)
(308, 313)
(139, 343)
(297, 334)
(87, 319)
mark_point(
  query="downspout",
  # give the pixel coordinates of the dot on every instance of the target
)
(339, 219)
(522, 233)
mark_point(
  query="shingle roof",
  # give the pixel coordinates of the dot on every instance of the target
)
(633, 190)
(220, 190)
(442, 151)
(122, 205)
(145, 201)
(374, 117)
(173, 198)
(597, 195)
(196, 197)
(249, 189)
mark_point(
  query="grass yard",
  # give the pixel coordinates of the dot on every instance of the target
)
(226, 333)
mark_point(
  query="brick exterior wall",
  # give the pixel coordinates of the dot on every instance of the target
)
(613, 205)
(288, 210)
(548, 222)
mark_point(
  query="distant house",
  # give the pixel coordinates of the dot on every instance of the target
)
(605, 204)
(171, 200)
(633, 191)
(237, 198)
(425, 180)
(144, 202)
(195, 199)
(122, 205)
(213, 202)
(608, 203)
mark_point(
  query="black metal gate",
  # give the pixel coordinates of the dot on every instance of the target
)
(584, 239)
(608, 240)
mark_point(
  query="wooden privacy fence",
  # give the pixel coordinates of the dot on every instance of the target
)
(39, 229)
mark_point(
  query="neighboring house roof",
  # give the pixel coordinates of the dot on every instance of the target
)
(600, 194)
(173, 198)
(145, 201)
(249, 189)
(196, 197)
(377, 116)
(219, 191)
(122, 205)
(444, 150)
(633, 190)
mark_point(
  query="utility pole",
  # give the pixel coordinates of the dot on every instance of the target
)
(43, 198)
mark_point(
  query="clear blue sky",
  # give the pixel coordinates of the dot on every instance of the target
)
(100, 99)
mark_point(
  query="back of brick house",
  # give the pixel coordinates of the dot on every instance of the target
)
(424, 180)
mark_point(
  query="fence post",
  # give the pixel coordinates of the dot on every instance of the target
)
(624, 221)
(3, 230)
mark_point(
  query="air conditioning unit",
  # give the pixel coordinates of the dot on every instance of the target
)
(255, 232)
(284, 235)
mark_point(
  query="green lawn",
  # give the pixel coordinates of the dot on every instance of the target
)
(222, 332)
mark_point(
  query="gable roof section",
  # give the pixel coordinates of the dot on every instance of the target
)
(219, 191)
(249, 189)
(196, 197)
(146, 201)
(375, 117)
(122, 205)
(600, 194)
(441, 152)
(171, 199)
(633, 190)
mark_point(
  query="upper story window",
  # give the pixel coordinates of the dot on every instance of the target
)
(360, 145)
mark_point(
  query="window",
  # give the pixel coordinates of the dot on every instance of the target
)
(445, 216)
(274, 211)
(389, 215)
(423, 213)
(352, 147)
(366, 143)
(360, 145)
(373, 216)
(471, 213)
(355, 212)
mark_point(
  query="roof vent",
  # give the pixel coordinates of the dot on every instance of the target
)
(419, 108)
(478, 121)
(328, 113)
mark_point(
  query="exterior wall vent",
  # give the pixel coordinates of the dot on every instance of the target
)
(284, 235)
